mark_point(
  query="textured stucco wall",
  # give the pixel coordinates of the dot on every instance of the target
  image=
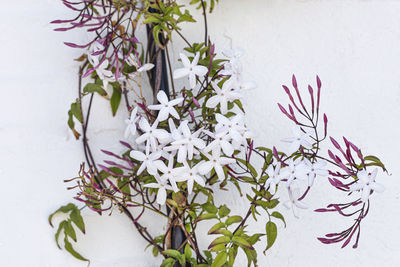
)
(353, 45)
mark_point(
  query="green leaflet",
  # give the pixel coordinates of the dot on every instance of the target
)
(272, 232)
(115, 98)
(72, 251)
(67, 228)
(220, 259)
(94, 88)
(278, 216)
(77, 219)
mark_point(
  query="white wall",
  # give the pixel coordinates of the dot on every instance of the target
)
(353, 45)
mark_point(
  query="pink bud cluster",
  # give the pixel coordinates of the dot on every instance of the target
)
(346, 164)
(110, 27)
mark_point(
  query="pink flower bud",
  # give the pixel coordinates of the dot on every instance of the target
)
(195, 102)
(294, 82)
(335, 143)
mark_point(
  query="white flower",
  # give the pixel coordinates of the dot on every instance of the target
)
(233, 54)
(311, 170)
(292, 171)
(366, 183)
(245, 134)
(131, 123)
(187, 144)
(215, 161)
(162, 189)
(165, 107)
(241, 85)
(273, 177)
(147, 159)
(221, 141)
(299, 139)
(95, 48)
(131, 60)
(105, 75)
(101, 69)
(176, 133)
(151, 134)
(169, 172)
(223, 96)
(190, 69)
(294, 202)
(146, 67)
(233, 126)
(143, 68)
(191, 175)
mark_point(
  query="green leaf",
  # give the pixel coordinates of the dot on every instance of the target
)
(72, 251)
(172, 253)
(60, 228)
(233, 219)
(115, 99)
(272, 232)
(251, 257)
(220, 259)
(255, 238)
(249, 166)
(272, 203)
(215, 227)
(71, 125)
(76, 110)
(232, 257)
(94, 88)
(206, 216)
(64, 209)
(223, 211)
(77, 219)
(375, 161)
(188, 252)
(210, 208)
(218, 248)
(219, 240)
(155, 251)
(241, 242)
(175, 254)
(278, 216)
(208, 255)
(169, 262)
(69, 230)
(224, 232)
(123, 185)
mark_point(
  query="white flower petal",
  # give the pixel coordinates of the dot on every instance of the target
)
(140, 156)
(180, 73)
(161, 196)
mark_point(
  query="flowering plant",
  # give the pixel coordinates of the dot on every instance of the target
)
(193, 141)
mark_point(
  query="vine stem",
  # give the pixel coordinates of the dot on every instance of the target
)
(91, 162)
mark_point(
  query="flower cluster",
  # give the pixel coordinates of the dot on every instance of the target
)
(187, 152)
